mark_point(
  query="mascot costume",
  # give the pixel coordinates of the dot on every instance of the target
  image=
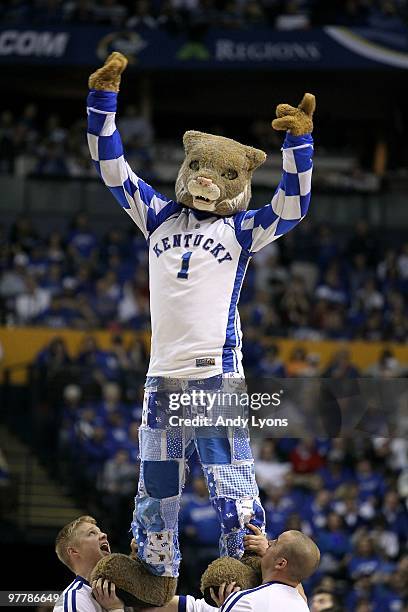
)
(199, 248)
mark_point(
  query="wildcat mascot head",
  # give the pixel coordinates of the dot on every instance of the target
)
(216, 173)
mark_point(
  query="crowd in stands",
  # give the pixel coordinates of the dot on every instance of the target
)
(349, 494)
(55, 147)
(315, 284)
(177, 15)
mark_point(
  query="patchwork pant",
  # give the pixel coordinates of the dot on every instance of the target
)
(227, 462)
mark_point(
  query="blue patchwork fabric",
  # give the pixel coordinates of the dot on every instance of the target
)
(169, 510)
(207, 384)
(235, 481)
(160, 551)
(174, 443)
(259, 515)
(150, 444)
(232, 545)
(241, 447)
(148, 514)
(211, 482)
(161, 478)
(226, 510)
(157, 409)
(214, 450)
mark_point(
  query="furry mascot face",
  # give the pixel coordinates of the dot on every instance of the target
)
(216, 173)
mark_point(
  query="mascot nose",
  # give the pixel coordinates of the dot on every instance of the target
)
(205, 182)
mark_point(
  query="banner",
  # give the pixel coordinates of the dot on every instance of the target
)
(329, 48)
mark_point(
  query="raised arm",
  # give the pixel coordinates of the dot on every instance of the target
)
(290, 203)
(144, 205)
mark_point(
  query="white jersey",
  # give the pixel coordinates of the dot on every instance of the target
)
(269, 597)
(77, 597)
(197, 260)
(187, 603)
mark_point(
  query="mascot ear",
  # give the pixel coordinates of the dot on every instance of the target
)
(256, 157)
(192, 137)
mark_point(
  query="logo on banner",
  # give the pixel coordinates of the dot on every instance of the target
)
(128, 43)
(193, 50)
(31, 43)
(227, 50)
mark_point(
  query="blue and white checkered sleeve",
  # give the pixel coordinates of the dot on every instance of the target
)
(257, 228)
(146, 207)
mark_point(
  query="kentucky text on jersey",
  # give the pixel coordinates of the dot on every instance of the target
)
(197, 261)
(191, 241)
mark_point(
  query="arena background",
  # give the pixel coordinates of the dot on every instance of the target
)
(327, 300)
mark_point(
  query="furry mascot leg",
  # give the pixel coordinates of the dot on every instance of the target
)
(135, 585)
(246, 573)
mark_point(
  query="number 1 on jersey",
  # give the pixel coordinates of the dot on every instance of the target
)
(185, 262)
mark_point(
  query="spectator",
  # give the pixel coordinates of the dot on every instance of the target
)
(365, 562)
(334, 474)
(368, 297)
(391, 596)
(297, 365)
(32, 302)
(278, 507)
(135, 127)
(355, 513)
(387, 366)
(95, 451)
(316, 513)
(385, 541)
(102, 303)
(119, 476)
(371, 483)
(53, 358)
(269, 470)
(331, 289)
(109, 12)
(341, 366)
(133, 307)
(12, 281)
(395, 515)
(295, 304)
(362, 242)
(198, 518)
(55, 250)
(361, 595)
(93, 364)
(51, 161)
(82, 241)
(111, 401)
(305, 457)
(200, 530)
(334, 544)
(292, 18)
(271, 366)
(79, 11)
(141, 16)
(70, 415)
(323, 601)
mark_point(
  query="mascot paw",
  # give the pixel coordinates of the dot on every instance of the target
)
(227, 569)
(135, 585)
(298, 120)
(107, 78)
